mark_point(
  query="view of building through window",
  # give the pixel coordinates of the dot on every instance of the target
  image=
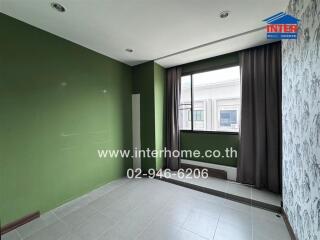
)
(214, 99)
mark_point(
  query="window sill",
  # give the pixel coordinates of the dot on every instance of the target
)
(210, 132)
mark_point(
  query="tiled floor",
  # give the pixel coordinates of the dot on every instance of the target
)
(152, 209)
(234, 188)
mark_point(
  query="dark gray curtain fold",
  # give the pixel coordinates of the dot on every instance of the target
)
(172, 117)
(260, 135)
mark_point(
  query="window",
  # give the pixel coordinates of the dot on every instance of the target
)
(185, 103)
(228, 118)
(210, 101)
(197, 115)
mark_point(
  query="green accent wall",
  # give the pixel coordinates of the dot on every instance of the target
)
(143, 83)
(160, 112)
(54, 116)
(149, 82)
(210, 141)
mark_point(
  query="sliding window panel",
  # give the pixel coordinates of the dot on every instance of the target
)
(185, 107)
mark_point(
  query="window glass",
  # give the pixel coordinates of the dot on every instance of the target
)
(185, 103)
(216, 100)
(197, 115)
(228, 118)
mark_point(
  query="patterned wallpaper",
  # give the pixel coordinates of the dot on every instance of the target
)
(301, 122)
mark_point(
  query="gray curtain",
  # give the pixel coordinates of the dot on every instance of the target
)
(172, 117)
(260, 134)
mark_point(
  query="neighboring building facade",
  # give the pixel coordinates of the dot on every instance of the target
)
(216, 103)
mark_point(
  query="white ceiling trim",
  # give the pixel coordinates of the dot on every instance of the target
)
(210, 43)
(253, 38)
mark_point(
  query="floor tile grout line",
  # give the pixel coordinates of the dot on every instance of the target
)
(152, 221)
(60, 220)
(183, 228)
(136, 207)
(86, 204)
(267, 206)
(87, 195)
(104, 232)
(153, 218)
(214, 235)
(114, 225)
(247, 185)
(96, 212)
(19, 235)
(36, 231)
(188, 230)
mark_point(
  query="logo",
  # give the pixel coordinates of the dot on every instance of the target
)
(282, 26)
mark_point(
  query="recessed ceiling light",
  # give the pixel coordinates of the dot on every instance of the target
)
(224, 14)
(129, 50)
(58, 7)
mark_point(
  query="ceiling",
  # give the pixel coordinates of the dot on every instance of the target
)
(152, 28)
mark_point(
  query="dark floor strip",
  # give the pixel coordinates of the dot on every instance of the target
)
(289, 227)
(229, 196)
(24, 220)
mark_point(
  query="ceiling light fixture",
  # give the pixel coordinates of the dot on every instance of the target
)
(224, 14)
(129, 50)
(58, 7)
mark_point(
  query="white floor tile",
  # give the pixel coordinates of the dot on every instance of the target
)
(230, 231)
(69, 236)
(51, 232)
(96, 194)
(237, 206)
(266, 230)
(152, 209)
(236, 217)
(208, 207)
(239, 190)
(264, 215)
(176, 215)
(94, 227)
(13, 235)
(102, 202)
(266, 197)
(134, 223)
(37, 224)
(201, 224)
(215, 183)
(114, 234)
(167, 231)
(233, 188)
(78, 217)
(71, 206)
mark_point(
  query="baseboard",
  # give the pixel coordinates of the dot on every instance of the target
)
(24, 220)
(288, 225)
(231, 171)
(211, 171)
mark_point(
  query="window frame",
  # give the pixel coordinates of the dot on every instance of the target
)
(191, 73)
